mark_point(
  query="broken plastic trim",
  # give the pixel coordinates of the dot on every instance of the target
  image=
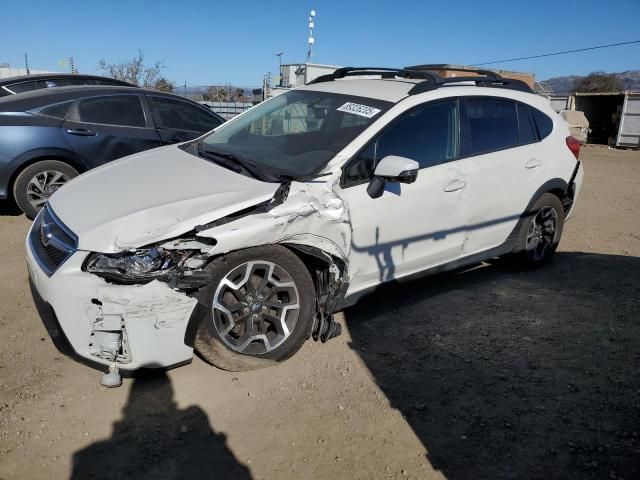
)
(331, 286)
(173, 263)
(570, 193)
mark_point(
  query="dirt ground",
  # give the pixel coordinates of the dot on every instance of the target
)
(484, 374)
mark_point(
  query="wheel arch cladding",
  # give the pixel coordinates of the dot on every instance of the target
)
(555, 186)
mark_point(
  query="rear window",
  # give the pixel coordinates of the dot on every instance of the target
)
(22, 87)
(64, 82)
(121, 110)
(178, 115)
(493, 125)
(543, 123)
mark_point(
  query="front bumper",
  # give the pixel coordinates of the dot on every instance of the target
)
(83, 315)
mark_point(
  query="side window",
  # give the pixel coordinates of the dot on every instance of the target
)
(58, 110)
(543, 123)
(179, 115)
(493, 125)
(121, 110)
(526, 129)
(428, 135)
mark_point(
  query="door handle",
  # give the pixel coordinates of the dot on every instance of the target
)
(533, 163)
(455, 186)
(83, 132)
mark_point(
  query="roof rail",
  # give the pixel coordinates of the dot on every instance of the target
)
(382, 71)
(431, 80)
(491, 82)
(431, 68)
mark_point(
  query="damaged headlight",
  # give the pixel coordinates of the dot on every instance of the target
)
(145, 264)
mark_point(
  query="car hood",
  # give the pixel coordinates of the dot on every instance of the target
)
(152, 196)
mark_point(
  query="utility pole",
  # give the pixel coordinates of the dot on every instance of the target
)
(72, 65)
(26, 64)
(312, 40)
(185, 88)
(279, 55)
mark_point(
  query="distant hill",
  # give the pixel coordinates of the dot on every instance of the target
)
(630, 80)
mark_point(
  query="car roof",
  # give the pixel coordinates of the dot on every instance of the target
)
(390, 90)
(35, 98)
(45, 76)
(396, 89)
(394, 84)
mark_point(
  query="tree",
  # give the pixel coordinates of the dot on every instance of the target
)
(164, 85)
(136, 72)
(598, 82)
(223, 93)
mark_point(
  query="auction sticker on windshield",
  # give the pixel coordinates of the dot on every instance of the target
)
(357, 109)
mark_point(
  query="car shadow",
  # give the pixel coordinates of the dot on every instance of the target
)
(8, 208)
(156, 440)
(505, 374)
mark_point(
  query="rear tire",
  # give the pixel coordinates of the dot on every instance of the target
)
(36, 183)
(537, 234)
(259, 306)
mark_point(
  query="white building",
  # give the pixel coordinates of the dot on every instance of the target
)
(7, 71)
(294, 75)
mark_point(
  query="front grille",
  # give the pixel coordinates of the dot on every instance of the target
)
(51, 241)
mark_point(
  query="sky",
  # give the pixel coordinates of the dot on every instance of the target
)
(220, 41)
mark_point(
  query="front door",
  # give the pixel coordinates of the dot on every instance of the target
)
(411, 227)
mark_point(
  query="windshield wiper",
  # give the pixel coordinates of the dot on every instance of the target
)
(231, 162)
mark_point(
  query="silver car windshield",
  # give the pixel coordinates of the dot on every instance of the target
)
(295, 134)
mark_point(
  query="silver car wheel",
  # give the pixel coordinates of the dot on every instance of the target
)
(541, 234)
(256, 307)
(43, 185)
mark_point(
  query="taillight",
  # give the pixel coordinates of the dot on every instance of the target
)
(574, 145)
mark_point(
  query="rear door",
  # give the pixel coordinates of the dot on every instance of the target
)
(503, 165)
(179, 121)
(103, 128)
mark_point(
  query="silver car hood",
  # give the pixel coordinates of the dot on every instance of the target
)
(152, 196)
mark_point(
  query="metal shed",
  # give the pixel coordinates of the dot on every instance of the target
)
(614, 117)
(629, 131)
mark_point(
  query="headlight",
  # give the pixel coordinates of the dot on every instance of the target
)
(145, 264)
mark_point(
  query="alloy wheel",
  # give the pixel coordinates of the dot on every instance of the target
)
(43, 185)
(541, 234)
(256, 307)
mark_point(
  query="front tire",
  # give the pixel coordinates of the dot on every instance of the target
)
(538, 233)
(36, 183)
(259, 305)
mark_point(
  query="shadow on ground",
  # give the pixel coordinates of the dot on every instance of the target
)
(514, 374)
(156, 440)
(8, 208)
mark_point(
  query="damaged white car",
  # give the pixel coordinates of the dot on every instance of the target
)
(243, 243)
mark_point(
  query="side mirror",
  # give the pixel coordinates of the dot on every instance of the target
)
(392, 169)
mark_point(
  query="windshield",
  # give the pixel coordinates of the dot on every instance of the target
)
(294, 134)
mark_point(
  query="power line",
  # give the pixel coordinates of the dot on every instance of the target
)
(556, 53)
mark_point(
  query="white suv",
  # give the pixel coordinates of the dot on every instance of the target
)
(244, 242)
